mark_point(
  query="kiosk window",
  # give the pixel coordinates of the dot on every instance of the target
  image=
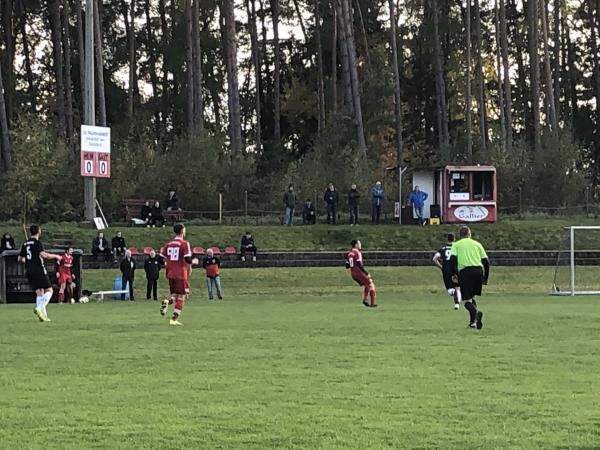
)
(459, 186)
(482, 185)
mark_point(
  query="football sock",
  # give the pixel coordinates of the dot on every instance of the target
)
(472, 311)
(474, 303)
(171, 299)
(47, 297)
(365, 293)
(458, 295)
(39, 303)
(177, 309)
(61, 297)
(373, 296)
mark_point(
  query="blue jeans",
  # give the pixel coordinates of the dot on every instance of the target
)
(289, 216)
(419, 213)
(216, 281)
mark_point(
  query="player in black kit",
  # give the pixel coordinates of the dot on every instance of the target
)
(442, 260)
(33, 255)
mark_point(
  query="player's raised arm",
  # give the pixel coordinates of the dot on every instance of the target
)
(44, 254)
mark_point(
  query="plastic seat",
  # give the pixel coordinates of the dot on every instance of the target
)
(230, 250)
(198, 250)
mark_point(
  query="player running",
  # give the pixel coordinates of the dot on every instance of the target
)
(177, 255)
(471, 268)
(443, 254)
(33, 255)
(65, 276)
(354, 262)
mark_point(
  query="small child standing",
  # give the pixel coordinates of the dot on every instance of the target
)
(212, 265)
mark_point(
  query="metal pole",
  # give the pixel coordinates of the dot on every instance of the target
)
(220, 208)
(399, 192)
(572, 261)
(246, 203)
(89, 183)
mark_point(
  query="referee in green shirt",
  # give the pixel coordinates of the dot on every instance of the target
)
(471, 266)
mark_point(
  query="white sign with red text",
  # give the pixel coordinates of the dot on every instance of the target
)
(95, 151)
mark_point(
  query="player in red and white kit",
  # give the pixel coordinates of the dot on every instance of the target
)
(177, 255)
(354, 262)
(65, 277)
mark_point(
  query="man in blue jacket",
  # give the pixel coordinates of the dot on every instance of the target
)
(377, 195)
(417, 200)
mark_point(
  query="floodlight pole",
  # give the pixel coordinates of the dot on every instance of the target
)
(572, 231)
(400, 172)
(89, 183)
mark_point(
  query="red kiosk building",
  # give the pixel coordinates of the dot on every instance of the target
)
(459, 194)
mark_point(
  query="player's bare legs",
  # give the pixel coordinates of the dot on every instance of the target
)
(61, 292)
(372, 294)
(165, 304)
(366, 296)
(42, 299)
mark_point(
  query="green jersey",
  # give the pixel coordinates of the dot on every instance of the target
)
(468, 252)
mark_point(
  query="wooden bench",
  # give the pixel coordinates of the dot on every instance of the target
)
(100, 294)
(133, 210)
(62, 240)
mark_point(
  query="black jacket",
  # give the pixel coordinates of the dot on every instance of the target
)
(308, 211)
(152, 267)
(331, 197)
(247, 241)
(156, 212)
(7, 244)
(128, 268)
(146, 212)
(289, 199)
(172, 202)
(353, 196)
(97, 242)
(118, 243)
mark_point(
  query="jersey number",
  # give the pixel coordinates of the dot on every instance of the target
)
(350, 262)
(29, 253)
(173, 253)
(447, 254)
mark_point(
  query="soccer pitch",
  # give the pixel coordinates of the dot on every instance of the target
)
(292, 360)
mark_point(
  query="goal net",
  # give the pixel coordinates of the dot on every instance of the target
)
(577, 271)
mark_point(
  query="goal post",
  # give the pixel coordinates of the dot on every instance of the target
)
(589, 283)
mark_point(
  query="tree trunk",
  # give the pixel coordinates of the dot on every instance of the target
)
(164, 44)
(571, 57)
(5, 149)
(151, 49)
(345, 58)
(334, 27)
(101, 119)
(362, 29)
(442, 111)
(596, 60)
(276, 74)
(189, 67)
(501, 107)
(300, 20)
(556, 56)
(468, 103)
(535, 72)
(58, 67)
(67, 67)
(129, 18)
(506, 70)
(197, 53)
(397, 92)
(32, 91)
(480, 80)
(235, 126)
(9, 57)
(80, 55)
(320, 81)
(251, 10)
(548, 70)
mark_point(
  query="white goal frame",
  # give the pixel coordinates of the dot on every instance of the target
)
(572, 291)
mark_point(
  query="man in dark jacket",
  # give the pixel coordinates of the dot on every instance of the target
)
(353, 198)
(7, 243)
(247, 246)
(309, 216)
(118, 246)
(157, 218)
(152, 267)
(289, 201)
(172, 201)
(146, 213)
(100, 247)
(331, 198)
(128, 274)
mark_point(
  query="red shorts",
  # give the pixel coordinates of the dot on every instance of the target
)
(66, 278)
(361, 278)
(179, 286)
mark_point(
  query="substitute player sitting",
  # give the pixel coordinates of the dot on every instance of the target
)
(354, 262)
(442, 260)
(65, 276)
(177, 255)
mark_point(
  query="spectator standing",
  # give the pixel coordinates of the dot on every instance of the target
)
(377, 195)
(417, 199)
(7, 243)
(146, 213)
(331, 198)
(212, 265)
(353, 200)
(289, 201)
(100, 247)
(157, 217)
(128, 274)
(118, 246)
(152, 267)
(309, 216)
(172, 202)
(247, 246)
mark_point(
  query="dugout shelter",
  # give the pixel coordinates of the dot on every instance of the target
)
(459, 194)
(14, 287)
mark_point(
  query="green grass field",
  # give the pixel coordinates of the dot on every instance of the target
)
(291, 360)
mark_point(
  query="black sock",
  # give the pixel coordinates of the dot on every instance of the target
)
(472, 311)
(474, 303)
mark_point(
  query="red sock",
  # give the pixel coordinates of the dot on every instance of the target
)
(178, 308)
(365, 293)
(171, 300)
(61, 297)
(373, 296)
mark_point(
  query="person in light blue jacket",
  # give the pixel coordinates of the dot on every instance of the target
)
(417, 199)
(377, 195)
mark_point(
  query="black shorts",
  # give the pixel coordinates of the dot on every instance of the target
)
(447, 274)
(470, 280)
(38, 279)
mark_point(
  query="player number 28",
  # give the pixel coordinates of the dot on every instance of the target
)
(173, 253)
